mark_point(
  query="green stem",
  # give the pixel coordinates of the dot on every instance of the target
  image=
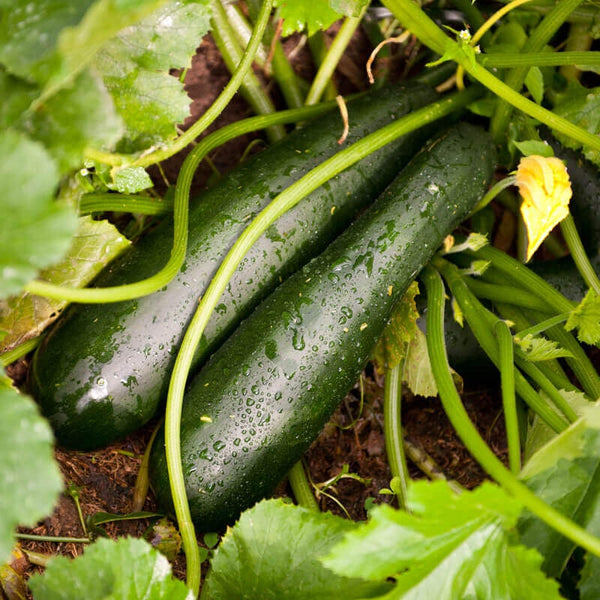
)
(74, 493)
(482, 322)
(280, 67)
(52, 538)
(524, 278)
(250, 88)
(580, 40)
(286, 78)
(543, 325)
(180, 214)
(301, 487)
(518, 273)
(20, 351)
(545, 383)
(516, 77)
(509, 400)
(539, 59)
(474, 18)
(243, 30)
(427, 465)
(494, 191)
(286, 200)
(142, 480)
(468, 433)
(580, 258)
(335, 52)
(552, 368)
(411, 15)
(318, 49)
(579, 361)
(392, 431)
(142, 205)
(586, 14)
(215, 109)
(506, 293)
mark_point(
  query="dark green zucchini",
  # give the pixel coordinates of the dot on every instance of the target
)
(263, 397)
(102, 371)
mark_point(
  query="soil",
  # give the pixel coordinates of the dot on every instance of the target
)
(104, 480)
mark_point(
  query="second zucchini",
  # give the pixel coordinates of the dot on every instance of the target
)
(103, 369)
(264, 396)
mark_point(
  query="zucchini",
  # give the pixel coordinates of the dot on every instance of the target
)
(263, 397)
(102, 372)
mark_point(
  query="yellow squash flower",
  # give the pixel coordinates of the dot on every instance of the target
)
(545, 187)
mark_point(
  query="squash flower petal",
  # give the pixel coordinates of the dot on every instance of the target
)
(545, 188)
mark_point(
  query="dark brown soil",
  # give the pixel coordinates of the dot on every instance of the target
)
(105, 479)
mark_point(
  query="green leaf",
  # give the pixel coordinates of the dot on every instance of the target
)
(131, 180)
(78, 116)
(167, 38)
(127, 569)
(392, 347)
(31, 480)
(94, 245)
(94, 521)
(589, 583)
(484, 107)
(581, 106)
(165, 537)
(272, 553)
(35, 232)
(417, 372)
(16, 96)
(565, 473)
(449, 547)
(135, 67)
(534, 81)
(51, 41)
(29, 33)
(510, 34)
(538, 348)
(350, 8)
(586, 319)
(540, 434)
(299, 15)
(529, 147)
(569, 445)
(474, 241)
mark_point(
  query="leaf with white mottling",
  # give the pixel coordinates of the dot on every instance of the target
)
(126, 569)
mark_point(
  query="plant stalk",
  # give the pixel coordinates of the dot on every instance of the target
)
(509, 400)
(392, 431)
(301, 487)
(332, 58)
(468, 433)
(231, 51)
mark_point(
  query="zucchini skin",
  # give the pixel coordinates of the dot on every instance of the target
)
(263, 397)
(103, 371)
